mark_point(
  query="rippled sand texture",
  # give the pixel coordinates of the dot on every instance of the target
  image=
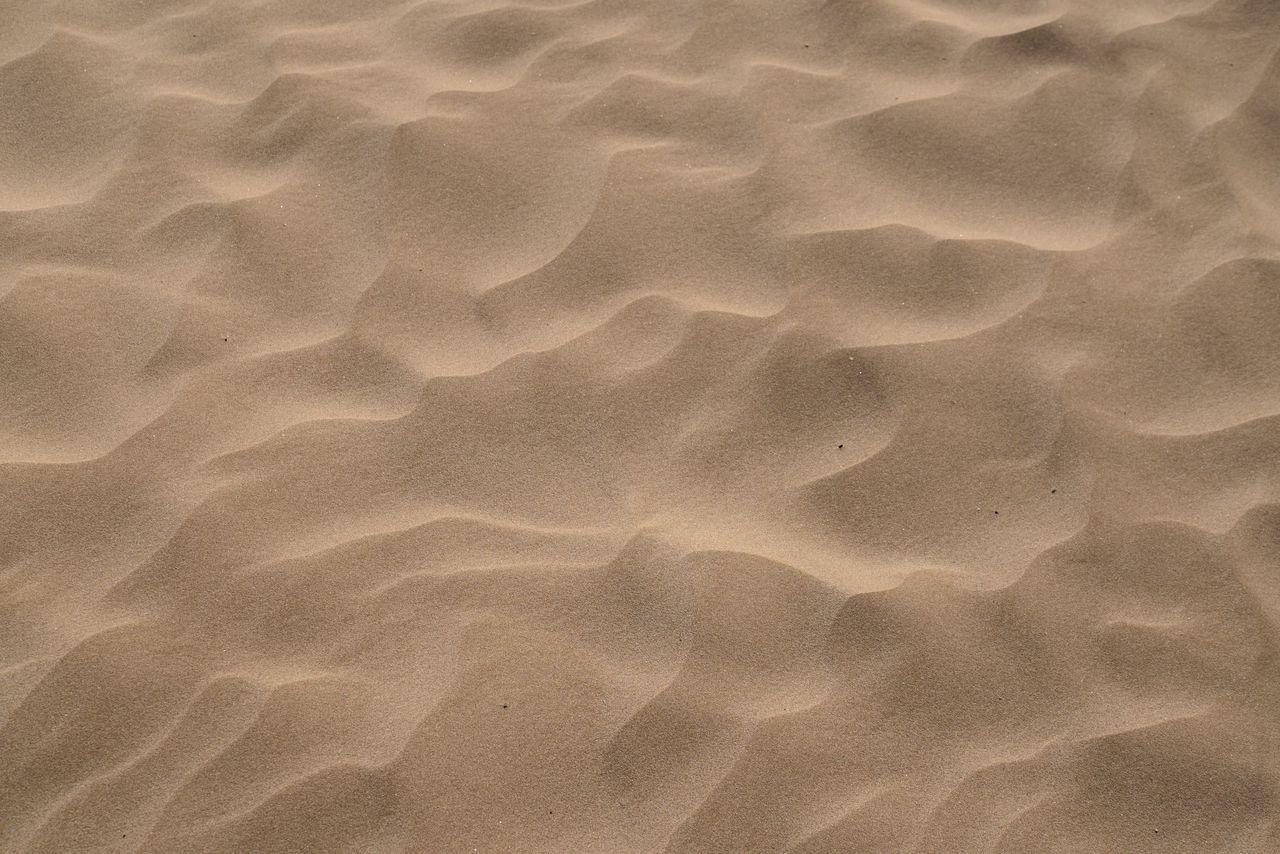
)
(695, 426)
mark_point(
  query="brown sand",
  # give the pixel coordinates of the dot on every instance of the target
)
(610, 426)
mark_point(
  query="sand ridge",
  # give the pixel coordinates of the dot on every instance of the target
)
(600, 426)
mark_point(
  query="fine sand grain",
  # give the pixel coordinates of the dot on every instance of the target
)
(622, 426)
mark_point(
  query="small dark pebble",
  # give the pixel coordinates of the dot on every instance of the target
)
(504, 705)
(1053, 492)
(840, 446)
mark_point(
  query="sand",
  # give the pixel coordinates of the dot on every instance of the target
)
(612, 426)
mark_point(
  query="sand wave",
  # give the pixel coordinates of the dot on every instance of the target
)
(593, 426)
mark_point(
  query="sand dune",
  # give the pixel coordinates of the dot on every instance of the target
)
(603, 426)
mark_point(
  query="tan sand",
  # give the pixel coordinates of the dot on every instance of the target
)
(618, 426)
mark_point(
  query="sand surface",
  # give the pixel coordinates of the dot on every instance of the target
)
(623, 426)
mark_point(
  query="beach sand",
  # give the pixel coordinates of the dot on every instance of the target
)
(610, 426)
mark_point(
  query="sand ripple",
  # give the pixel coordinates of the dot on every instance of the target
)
(605, 426)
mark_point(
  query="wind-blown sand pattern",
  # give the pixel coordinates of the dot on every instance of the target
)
(609, 426)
